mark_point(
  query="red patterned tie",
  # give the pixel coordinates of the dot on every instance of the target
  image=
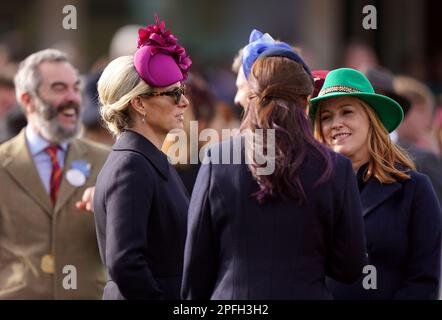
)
(55, 174)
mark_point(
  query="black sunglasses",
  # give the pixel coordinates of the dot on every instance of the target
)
(174, 94)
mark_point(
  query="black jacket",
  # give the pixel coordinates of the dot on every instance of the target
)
(140, 209)
(403, 231)
(238, 249)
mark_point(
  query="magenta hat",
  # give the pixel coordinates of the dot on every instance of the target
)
(160, 60)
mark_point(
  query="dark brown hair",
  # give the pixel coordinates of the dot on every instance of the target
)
(279, 98)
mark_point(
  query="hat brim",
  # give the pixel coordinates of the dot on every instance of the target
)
(389, 111)
(404, 102)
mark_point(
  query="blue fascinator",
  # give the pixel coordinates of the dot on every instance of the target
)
(258, 43)
(265, 46)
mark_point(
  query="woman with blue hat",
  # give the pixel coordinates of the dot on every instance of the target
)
(401, 212)
(275, 234)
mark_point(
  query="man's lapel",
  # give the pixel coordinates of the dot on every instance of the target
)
(22, 169)
(375, 193)
(75, 152)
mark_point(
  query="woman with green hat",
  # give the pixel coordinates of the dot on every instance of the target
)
(401, 212)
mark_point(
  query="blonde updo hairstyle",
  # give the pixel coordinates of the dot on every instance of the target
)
(118, 84)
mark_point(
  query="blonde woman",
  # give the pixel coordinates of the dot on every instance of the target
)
(401, 212)
(140, 203)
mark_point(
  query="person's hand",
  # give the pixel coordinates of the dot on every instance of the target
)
(87, 200)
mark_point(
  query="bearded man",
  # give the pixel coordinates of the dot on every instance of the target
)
(48, 248)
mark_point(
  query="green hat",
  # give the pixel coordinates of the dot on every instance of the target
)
(349, 82)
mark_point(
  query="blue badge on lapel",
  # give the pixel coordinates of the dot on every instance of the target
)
(78, 173)
(83, 166)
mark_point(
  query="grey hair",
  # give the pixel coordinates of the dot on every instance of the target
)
(28, 77)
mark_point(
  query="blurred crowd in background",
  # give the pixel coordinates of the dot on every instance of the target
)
(403, 56)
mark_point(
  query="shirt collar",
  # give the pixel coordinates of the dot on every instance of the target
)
(37, 143)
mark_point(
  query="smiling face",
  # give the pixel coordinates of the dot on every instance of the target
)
(345, 126)
(56, 112)
(166, 112)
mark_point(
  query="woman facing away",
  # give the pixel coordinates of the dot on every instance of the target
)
(401, 212)
(140, 203)
(275, 236)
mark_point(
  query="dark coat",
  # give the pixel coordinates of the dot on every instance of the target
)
(140, 209)
(403, 232)
(427, 163)
(238, 249)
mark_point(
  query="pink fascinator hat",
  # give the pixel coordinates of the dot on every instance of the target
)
(160, 60)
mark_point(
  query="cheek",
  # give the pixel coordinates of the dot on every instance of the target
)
(241, 95)
(361, 134)
(418, 118)
(326, 132)
(152, 113)
(156, 115)
(168, 116)
(425, 120)
(54, 98)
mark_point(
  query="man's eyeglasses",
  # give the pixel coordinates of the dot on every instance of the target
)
(174, 94)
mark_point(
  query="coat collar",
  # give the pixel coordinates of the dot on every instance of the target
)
(130, 140)
(375, 193)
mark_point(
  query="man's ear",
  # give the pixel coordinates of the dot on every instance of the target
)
(27, 102)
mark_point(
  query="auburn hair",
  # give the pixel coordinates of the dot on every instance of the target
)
(280, 88)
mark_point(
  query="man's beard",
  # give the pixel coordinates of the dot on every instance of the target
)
(50, 127)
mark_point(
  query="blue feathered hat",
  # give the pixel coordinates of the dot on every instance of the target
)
(264, 45)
